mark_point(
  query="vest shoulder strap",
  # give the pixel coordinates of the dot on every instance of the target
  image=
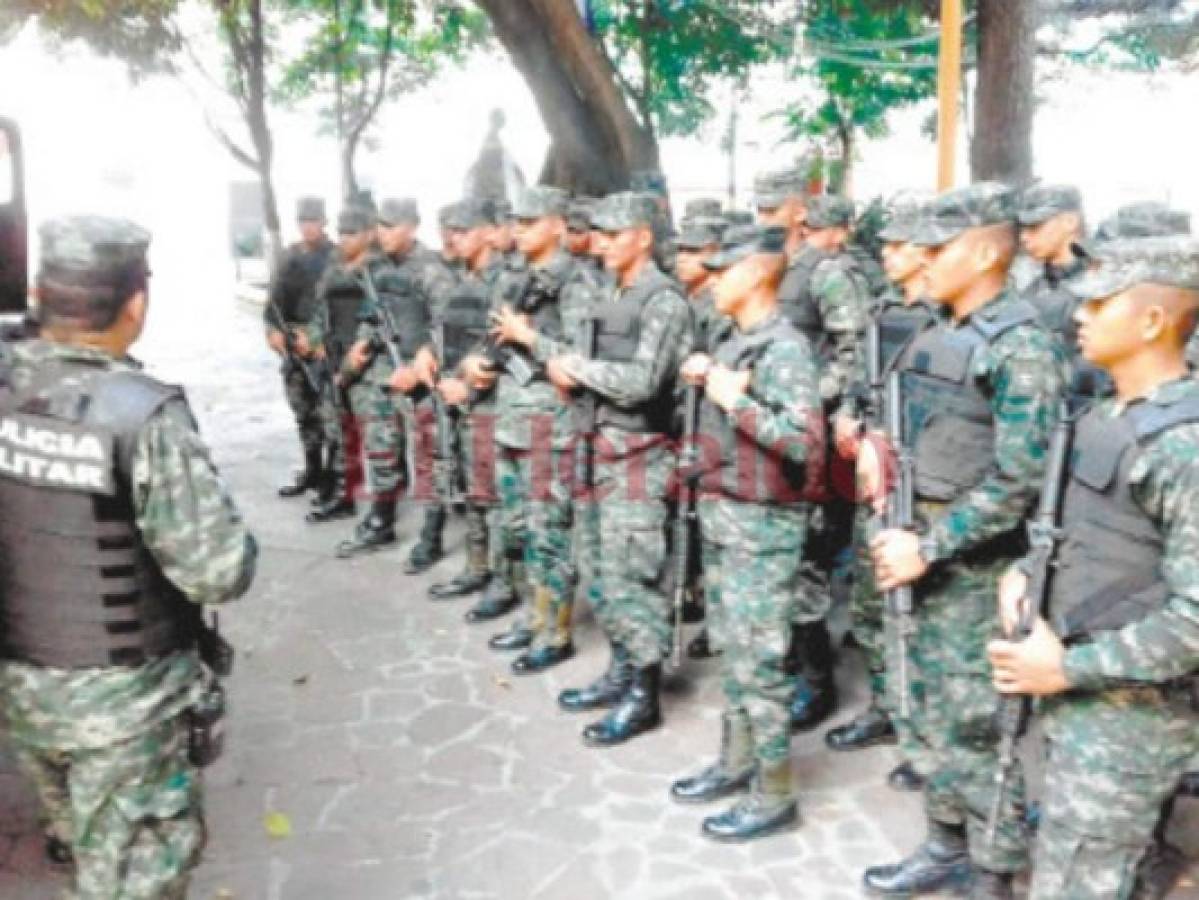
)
(1003, 320)
(1152, 419)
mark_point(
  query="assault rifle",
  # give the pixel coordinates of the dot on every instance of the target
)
(684, 523)
(899, 514)
(447, 474)
(541, 287)
(389, 342)
(1044, 536)
(875, 385)
(313, 377)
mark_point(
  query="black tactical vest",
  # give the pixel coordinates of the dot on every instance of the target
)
(898, 324)
(78, 588)
(617, 333)
(795, 296)
(535, 293)
(733, 464)
(345, 298)
(947, 414)
(301, 273)
(1056, 306)
(1109, 563)
(463, 322)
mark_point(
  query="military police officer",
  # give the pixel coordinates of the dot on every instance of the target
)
(114, 528)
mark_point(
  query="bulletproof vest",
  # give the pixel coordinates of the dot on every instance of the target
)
(1109, 562)
(78, 587)
(536, 293)
(617, 332)
(947, 413)
(463, 322)
(399, 290)
(344, 296)
(735, 465)
(898, 325)
(795, 296)
(300, 275)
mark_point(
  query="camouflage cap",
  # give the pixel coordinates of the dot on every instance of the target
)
(499, 210)
(578, 215)
(739, 217)
(701, 232)
(445, 214)
(648, 181)
(540, 201)
(1042, 202)
(92, 247)
(903, 215)
(310, 209)
(830, 211)
(470, 212)
(744, 241)
(399, 211)
(1144, 220)
(1126, 262)
(771, 189)
(355, 219)
(701, 206)
(955, 212)
(629, 209)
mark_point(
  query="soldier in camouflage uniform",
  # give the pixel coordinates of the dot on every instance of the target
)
(761, 413)
(1116, 658)
(399, 220)
(1051, 229)
(386, 367)
(448, 253)
(898, 316)
(331, 333)
(290, 306)
(534, 433)
(701, 208)
(114, 527)
(981, 391)
(463, 327)
(827, 299)
(642, 334)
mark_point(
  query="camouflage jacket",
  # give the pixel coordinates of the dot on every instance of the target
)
(293, 284)
(434, 277)
(1023, 373)
(1164, 645)
(190, 524)
(409, 307)
(588, 284)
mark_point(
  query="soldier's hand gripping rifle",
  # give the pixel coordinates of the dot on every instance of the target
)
(447, 474)
(899, 514)
(1044, 536)
(314, 379)
(541, 287)
(389, 340)
(684, 523)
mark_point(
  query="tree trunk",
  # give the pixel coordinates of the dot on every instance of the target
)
(1001, 149)
(596, 141)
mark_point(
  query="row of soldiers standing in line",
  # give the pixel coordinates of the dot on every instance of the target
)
(568, 379)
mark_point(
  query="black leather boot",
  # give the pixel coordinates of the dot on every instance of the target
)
(636, 713)
(871, 727)
(812, 656)
(693, 609)
(904, 777)
(552, 621)
(733, 770)
(474, 579)
(606, 690)
(309, 478)
(334, 501)
(769, 809)
(499, 599)
(428, 549)
(518, 637)
(991, 885)
(700, 647)
(542, 658)
(373, 533)
(940, 863)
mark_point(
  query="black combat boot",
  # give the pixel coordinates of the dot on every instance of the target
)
(769, 809)
(693, 609)
(606, 690)
(940, 863)
(340, 504)
(871, 727)
(989, 885)
(701, 647)
(474, 579)
(733, 770)
(499, 599)
(636, 713)
(307, 479)
(904, 777)
(554, 627)
(58, 851)
(816, 695)
(373, 533)
(428, 549)
(518, 637)
(541, 658)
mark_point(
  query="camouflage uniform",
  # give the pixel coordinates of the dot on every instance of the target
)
(106, 747)
(975, 484)
(1128, 728)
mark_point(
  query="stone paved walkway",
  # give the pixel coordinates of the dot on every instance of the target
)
(410, 763)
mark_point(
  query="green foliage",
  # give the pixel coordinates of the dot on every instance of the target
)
(858, 96)
(670, 54)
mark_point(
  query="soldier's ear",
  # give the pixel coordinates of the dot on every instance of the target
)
(133, 314)
(645, 238)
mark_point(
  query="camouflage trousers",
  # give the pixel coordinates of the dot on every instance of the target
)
(532, 523)
(623, 538)
(867, 608)
(374, 409)
(421, 424)
(751, 556)
(305, 406)
(131, 811)
(477, 449)
(336, 420)
(953, 712)
(1114, 757)
(829, 535)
